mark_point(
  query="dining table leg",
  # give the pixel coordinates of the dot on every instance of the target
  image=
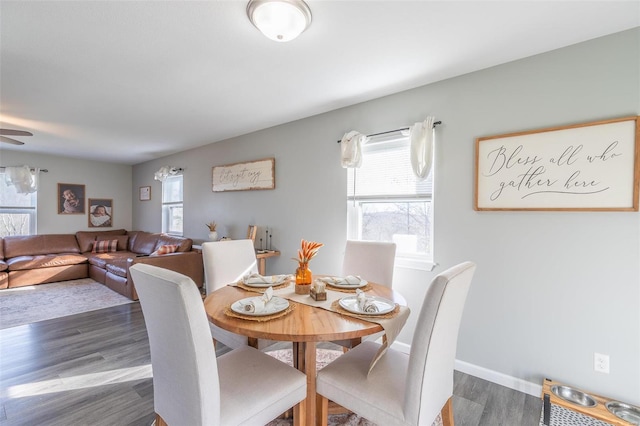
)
(304, 359)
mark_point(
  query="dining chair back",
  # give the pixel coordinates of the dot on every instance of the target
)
(226, 262)
(191, 386)
(372, 260)
(401, 389)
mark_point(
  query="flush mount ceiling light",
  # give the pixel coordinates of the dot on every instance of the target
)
(279, 20)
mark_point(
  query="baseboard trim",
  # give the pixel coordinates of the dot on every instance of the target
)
(486, 374)
(499, 378)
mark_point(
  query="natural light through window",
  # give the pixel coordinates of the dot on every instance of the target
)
(172, 205)
(82, 381)
(17, 211)
(386, 202)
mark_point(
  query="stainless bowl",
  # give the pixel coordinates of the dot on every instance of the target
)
(574, 396)
(624, 411)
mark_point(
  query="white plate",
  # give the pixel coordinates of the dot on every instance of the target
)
(275, 305)
(362, 284)
(350, 303)
(257, 285)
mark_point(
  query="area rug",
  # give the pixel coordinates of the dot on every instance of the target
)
(324, 357)
(25, 305)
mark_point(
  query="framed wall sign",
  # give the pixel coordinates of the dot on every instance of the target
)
(259, 174)
(589, 167)
(145, 193)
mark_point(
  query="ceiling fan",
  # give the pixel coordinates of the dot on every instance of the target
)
(9, 132)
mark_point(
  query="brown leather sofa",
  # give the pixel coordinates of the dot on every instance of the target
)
(39, 259)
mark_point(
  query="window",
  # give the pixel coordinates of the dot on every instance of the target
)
(17, 211)
(172, 215)
(386, 202)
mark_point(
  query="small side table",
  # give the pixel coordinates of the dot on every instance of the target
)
(262, 256)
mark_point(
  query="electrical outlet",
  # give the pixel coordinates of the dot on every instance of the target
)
(601, 363)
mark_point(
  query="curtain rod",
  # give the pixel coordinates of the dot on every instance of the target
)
(32, 169)
(435, 123)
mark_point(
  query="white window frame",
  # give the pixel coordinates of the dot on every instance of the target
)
(169, 206)
(31, 211)
(354, 215)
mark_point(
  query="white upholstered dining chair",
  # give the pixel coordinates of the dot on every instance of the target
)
(372, 261)
(226, 262)
(192, 387)
(405, 389)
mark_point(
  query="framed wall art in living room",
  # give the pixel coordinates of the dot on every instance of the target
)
(100, 213)
(70, 198)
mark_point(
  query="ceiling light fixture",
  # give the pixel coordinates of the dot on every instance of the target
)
(279, 20)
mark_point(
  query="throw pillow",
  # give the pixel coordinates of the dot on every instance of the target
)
(122, 240)
(169, 248)
(105, 246)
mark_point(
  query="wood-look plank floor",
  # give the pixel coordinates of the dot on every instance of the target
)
(94, 369)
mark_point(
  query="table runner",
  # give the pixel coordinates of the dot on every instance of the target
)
(391, 326)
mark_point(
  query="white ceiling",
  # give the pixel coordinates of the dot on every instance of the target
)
(130, 81)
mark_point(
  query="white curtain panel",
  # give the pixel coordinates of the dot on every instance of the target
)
(351, 146)
(22, 178)
(422, 148)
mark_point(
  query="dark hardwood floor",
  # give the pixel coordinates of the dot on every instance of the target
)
(94, 369)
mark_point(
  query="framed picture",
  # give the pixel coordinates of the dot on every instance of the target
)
(100, 213)
(251, 232)
(70, 198)
(259, 174)
(145, 193)
(582, 167)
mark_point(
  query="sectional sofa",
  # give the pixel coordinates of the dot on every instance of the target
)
(105, 256)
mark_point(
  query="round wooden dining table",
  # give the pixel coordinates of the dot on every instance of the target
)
(304, 326)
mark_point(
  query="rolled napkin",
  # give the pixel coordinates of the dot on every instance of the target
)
(348, 280)
(366, 304)
(259, 304)
(264, 279)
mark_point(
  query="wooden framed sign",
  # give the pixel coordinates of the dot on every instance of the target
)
(588, 167)
(259, 174)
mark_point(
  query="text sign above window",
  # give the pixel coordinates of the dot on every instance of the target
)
(591, 166)
(259, 174)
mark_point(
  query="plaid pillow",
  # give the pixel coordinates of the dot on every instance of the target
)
(105, 246)
(169, 248)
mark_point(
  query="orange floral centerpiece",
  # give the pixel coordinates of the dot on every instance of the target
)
(307, 251)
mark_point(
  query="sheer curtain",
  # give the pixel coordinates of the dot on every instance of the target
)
(24, 178)
(422, 148)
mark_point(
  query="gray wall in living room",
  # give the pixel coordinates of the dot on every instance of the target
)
(551, 288)
(101, 180)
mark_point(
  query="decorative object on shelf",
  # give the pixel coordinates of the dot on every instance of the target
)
(307, 251)
(251, 232)
(279, 20)
(213, 235)
(259, 174)
(166, 171)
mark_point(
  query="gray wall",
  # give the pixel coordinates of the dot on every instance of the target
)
(551, 288)
(101, 180)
